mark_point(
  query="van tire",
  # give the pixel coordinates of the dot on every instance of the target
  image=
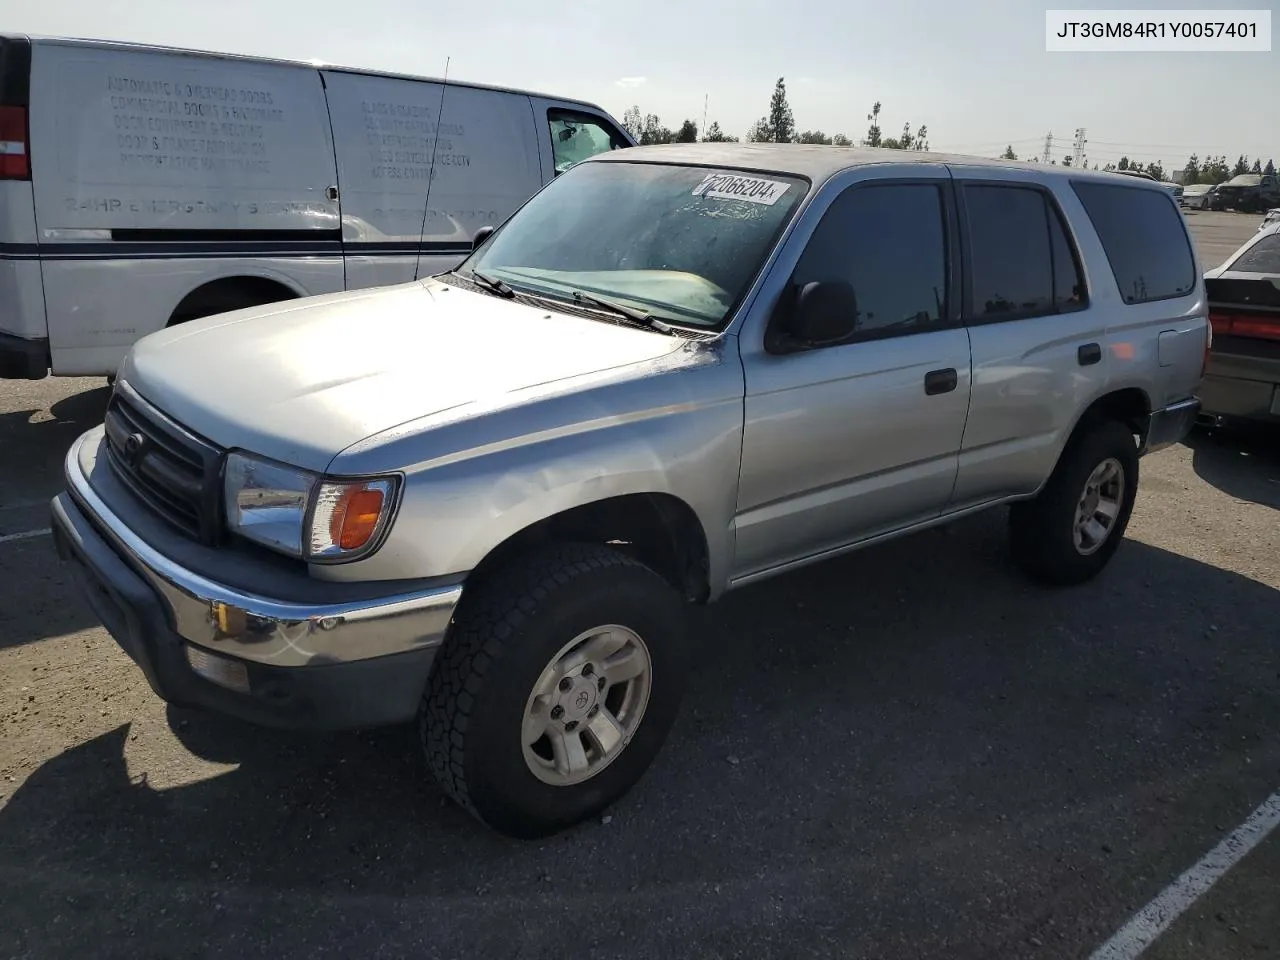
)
(507, 634)
(1043, 531)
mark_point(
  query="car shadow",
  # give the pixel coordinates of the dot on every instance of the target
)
(34, 445)
(870, 746)
(1242, 460)
(44, 601)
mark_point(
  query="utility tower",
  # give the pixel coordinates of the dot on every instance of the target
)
(1078, 148)
(1048, 146)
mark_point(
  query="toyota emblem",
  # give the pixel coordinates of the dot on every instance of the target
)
(134, 445)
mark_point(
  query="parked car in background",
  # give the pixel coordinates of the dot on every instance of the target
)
(485, 499)
(1197, 196)
(1248, 193)
(1273, 216)
(1242, 378)
(143, 187)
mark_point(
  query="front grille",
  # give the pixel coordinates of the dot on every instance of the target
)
(173, 472)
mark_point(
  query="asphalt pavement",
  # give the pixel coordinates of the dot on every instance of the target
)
(909, 752)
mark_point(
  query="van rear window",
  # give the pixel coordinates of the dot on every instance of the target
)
(1145, 239)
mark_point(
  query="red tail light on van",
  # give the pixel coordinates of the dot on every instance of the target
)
(15, 157)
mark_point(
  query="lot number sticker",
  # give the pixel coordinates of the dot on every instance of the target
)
(727, 186)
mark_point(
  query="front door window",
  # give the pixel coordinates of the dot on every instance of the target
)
(578, 136)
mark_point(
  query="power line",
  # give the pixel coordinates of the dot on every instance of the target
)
(1149, 146)
(993, 144)
(1119, 145)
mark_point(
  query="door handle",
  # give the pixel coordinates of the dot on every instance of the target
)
(331, 193)
(940, 381)
(1089, 354)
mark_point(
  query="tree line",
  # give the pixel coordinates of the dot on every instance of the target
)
(779, 126)
(776, 126)
(1211, 169)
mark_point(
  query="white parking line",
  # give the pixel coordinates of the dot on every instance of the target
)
(1152, 920)
(25, 535)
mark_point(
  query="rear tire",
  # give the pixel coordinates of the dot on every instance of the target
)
(1070, 531)
(514, 636)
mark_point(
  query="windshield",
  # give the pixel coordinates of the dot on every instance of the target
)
(680, 243)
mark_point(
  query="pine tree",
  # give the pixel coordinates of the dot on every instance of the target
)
(874, 138)
(782, 123)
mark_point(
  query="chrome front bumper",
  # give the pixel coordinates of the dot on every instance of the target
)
(258, 628)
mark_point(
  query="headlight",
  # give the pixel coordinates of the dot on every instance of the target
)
(302, 514)
(267, 502)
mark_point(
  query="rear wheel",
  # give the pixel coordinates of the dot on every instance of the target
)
(1068, 533)
(556, 688)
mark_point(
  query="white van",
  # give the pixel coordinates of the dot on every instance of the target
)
(143, 186)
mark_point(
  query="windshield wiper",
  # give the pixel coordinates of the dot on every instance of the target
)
(493, 284)
(636, 316)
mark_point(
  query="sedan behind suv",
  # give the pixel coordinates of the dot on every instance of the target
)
(1242, 380)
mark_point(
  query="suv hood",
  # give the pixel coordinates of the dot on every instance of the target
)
(301, 381)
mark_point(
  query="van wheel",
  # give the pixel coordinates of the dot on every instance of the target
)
(1068, 533)
(556, 688)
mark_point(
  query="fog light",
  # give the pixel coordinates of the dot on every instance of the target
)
(231, 674)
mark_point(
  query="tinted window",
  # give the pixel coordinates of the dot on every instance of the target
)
(1262, 257)
(1145, 240)
(889, 243)
(1011, 257)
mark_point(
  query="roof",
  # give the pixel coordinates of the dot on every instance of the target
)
(819, 163)
(123, 46)
(1244, 180)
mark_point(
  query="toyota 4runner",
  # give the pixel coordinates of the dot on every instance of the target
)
(482, 500)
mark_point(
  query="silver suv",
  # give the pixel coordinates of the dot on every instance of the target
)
(483, 500)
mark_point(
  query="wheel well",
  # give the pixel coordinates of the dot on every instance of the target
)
(659, 530)
(1128, 406)
(229, 293)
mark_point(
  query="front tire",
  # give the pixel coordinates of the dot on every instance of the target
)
(556, 688)
(1070, 531)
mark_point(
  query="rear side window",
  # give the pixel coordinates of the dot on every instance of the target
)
(1145, 240)
(1021, 262)
(1262, 257)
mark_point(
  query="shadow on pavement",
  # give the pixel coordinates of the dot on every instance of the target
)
(33, 451)
(42, 601)
(910, 749)
(1243, 461)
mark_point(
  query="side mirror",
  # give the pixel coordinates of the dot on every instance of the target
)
(822, 313)
(483, 234)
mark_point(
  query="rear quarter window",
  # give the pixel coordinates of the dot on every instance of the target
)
(1145, 240)
(1262, 257)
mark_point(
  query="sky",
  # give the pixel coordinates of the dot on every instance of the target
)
(977, 74)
